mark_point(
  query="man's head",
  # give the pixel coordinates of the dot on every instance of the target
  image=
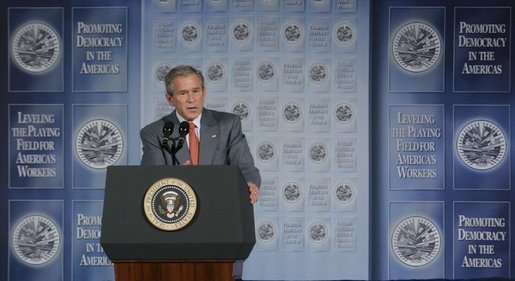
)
(185, 90)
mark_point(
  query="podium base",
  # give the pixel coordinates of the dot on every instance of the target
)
(173, 271)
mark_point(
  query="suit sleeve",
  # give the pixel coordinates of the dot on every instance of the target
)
(239, 153)
(152, 153)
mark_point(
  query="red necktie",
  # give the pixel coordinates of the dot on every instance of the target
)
(193, 143)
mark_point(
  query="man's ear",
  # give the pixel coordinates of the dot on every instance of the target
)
(169, 98)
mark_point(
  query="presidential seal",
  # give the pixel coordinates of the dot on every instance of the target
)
(170, 204)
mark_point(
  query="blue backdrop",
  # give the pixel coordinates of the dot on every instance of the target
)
(381, 128)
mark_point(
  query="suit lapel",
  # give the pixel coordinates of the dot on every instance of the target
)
(209, 134)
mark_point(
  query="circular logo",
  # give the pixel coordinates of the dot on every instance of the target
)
(242, 109)
(266, 72)
(292, 112)
(241, 32)
(170, 204)
(344, 113)
(266, 231)
(416, 47)
(344, 34)
(318, 152)
(215, 72)
(266, 151)
(160, 72)
(190, 33)
(318, 232)
(344, 192)
(481, 145)
(36, 47)
(293, 33)
(318, 73)
(36, 239)
(99, 144)
(416, 241)
(292, 192)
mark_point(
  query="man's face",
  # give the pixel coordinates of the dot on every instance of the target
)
(188, 96)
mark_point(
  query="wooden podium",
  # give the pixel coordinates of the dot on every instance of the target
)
(220, 232)
(173, 270)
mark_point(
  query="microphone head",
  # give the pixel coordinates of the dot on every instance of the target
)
(167, 129)
(184, 128)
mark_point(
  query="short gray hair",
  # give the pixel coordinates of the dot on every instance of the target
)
(181, 71)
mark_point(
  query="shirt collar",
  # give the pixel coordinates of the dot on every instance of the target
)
(196, 121)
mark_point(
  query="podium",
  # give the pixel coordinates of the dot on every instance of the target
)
(204, 245)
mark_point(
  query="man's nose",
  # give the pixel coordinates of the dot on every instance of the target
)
(190, 97)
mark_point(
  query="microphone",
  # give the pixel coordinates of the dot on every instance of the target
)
(167, 131)
(184, 128)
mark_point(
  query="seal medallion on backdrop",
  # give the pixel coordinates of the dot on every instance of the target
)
(481, 145)
(36, 240)
(36, 47)
(242, 109)
(99, 143)
(266, 151)
(416, 47)
(292, 112)
(266, 231)
(416, 241)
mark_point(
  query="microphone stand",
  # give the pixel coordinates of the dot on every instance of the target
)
(165, 147)
(167, 131)
(171, 150)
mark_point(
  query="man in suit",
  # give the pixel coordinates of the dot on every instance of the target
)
(221, 141)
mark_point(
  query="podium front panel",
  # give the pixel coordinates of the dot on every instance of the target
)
(222, 228)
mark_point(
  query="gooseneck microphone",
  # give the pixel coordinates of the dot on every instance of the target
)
(184, 128)
(167, 131)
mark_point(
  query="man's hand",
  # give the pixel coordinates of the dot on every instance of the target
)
(253, 191)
